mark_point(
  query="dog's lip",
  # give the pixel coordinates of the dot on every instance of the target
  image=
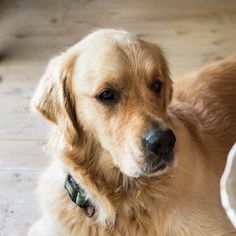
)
(163, 165)
(157, 168)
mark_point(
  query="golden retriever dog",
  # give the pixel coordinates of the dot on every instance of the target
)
(134, 154)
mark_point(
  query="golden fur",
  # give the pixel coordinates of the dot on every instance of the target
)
(101, 146)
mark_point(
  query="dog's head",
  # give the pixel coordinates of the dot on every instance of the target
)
(117, 88)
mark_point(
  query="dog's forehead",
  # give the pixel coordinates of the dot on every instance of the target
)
(114, 57)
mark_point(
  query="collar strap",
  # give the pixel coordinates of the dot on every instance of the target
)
(78, 196)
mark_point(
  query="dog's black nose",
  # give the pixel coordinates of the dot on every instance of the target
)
(160, 142)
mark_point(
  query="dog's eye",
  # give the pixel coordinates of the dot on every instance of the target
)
(107, 96)
(156, 86)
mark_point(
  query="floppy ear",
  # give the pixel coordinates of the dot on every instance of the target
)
(53, 97)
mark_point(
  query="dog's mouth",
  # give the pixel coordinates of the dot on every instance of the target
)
(159, 165)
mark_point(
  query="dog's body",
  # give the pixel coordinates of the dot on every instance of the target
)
(182, 201)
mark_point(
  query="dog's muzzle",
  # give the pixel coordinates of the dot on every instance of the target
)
(159, 146)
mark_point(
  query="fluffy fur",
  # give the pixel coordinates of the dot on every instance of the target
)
(101, 146)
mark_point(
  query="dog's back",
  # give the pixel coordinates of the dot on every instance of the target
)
(209, 96)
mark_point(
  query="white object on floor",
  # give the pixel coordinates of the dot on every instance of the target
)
(228, 186)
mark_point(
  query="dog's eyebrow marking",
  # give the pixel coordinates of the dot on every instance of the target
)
(117, 86)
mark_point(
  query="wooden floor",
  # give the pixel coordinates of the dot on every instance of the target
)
(192, 33)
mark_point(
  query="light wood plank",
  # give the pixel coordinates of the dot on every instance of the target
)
(18, 206)
(23, 155)
(24, 126)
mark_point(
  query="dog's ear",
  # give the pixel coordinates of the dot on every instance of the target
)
(53, 97)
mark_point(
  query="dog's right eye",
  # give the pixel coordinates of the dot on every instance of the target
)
(108, 96)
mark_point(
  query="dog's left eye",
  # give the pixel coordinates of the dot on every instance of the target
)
(107, 96)
(156, 86)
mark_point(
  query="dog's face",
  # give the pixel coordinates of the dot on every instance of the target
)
(118, 88)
